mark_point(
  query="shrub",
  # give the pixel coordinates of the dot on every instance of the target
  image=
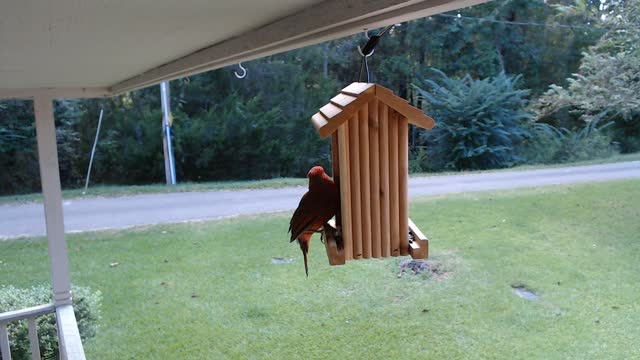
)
(479, 122)
(86, 308)
(551, 145)
(418, 157)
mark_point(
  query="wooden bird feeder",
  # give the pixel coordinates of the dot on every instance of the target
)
(369, 128)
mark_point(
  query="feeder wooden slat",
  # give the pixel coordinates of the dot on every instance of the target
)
(414, 115)
(356, 189)
(319, 121)
(374, 161)
(335, 172)
(365, 181)
(356, 89)
(346, 112)
(330, 111)
(342, 100)
(385, 218)
(334, 252)
(420, 246)
(403, 183)
(345, 190)
(394, 201)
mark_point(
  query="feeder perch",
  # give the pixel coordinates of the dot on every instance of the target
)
(369, 128)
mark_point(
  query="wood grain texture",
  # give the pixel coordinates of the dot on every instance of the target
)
(330, 111)
(334, 253)
(356, 189)
(340, 117)
(400, 105)
(394, 201)
(365, 178)
(319, 121)
(419, 248)
(374, 166)
(342, 100)
(403, 183)
(357, 88)
(345, 190)
(385, 218)
(335, 172)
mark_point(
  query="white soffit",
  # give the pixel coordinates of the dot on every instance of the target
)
(89, 48)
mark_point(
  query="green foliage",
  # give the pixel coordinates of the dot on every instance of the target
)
(479, 121)
(18, 151)
(607, 85)
(418, 157)
(18, 154)
(86, 308)
(238, 140)
(551, 145)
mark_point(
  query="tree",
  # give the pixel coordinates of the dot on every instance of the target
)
(607, 85)
(479, 121)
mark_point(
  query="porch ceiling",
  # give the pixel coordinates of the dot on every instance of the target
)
(88, 48)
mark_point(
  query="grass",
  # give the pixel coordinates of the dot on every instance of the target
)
(209, 290)
(126, 190)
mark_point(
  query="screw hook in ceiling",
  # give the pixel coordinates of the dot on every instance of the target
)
(244, 71)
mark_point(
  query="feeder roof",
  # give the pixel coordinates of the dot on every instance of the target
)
(355, 96)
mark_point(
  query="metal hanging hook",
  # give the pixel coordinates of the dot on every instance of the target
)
(369, 48)
(366, 34)
(362, 54)
(244, 71)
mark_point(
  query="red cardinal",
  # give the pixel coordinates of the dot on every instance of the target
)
(316, 207)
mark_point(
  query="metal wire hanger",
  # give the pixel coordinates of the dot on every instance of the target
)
(368, 50)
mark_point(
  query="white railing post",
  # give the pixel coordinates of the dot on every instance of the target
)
(52, 193)
(4, 342)
(34, 344)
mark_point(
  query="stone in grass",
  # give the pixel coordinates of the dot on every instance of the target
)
(524, 291)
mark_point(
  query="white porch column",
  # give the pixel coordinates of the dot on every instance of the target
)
(52, 193)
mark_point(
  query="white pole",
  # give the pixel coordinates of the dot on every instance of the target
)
(93, 152)
(52, 193)
(170, 168)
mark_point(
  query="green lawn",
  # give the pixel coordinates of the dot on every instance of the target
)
(126, 190)
(210, 291)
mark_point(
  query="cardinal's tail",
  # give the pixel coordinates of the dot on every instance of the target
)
(304, 246)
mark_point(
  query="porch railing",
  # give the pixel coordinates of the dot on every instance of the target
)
(69, 341)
